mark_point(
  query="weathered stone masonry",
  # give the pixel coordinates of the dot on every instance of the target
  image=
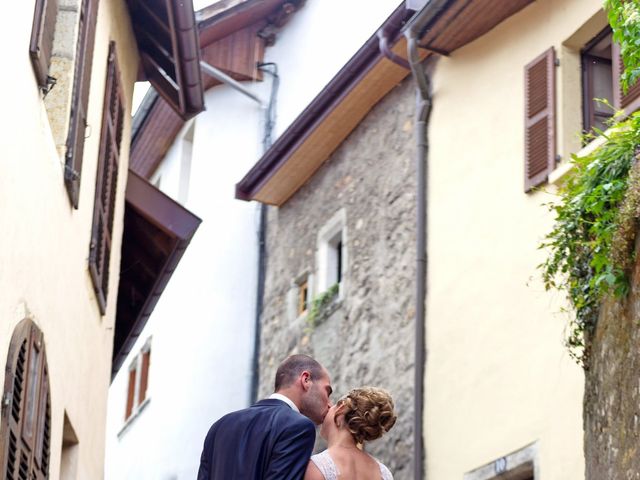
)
(368, 337)
(612, 390)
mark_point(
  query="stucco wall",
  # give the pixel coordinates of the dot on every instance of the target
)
(498, 376)
(612, 390)
(368, 339)
(45, 243)
(202, 328)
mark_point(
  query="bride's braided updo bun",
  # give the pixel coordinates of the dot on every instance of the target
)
(368, 413)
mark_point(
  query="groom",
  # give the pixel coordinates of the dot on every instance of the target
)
(273, 439)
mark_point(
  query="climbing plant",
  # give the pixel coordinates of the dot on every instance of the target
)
(624, 17)
(596, 217)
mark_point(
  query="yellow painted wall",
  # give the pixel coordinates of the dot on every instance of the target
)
(44, 242)
(498, 375)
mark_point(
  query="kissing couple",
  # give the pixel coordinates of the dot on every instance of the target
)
(273, 439)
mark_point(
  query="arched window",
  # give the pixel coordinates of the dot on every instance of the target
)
(25, 420)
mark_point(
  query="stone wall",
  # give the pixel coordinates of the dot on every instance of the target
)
(367, 336)
(612, 390)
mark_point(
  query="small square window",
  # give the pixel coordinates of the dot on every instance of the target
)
(332, 253)
(138, 382)
(303, 297)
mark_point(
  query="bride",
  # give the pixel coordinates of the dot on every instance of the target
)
(364, 414)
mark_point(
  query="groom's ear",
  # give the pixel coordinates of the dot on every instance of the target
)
(305, 380)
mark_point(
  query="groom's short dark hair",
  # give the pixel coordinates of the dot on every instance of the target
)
(293, 366)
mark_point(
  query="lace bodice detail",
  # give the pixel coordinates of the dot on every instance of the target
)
(329, 470)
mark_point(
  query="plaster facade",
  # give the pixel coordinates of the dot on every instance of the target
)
(498, 376)
(45, 242)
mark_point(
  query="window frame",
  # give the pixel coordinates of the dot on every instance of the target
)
(137, 396)
(332, 254)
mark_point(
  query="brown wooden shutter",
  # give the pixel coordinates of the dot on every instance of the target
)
(80, 98)
(144, 376)
(106, 180)
(25, 426)
(41, 44)
(540, 120)
(630, 101)
(131, 391)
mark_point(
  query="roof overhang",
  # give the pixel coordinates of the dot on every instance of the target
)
(228, 16)
(156, 124)
(167, 38)
(369, 76)
(157, 231)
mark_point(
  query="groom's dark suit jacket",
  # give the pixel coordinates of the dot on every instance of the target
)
(267, 441)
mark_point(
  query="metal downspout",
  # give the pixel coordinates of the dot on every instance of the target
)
(423, 111)
(267, 140)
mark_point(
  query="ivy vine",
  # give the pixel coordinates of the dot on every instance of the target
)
(624, 17)
(319, 304)
(591, 245)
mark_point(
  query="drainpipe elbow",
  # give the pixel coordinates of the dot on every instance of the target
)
(383, 43)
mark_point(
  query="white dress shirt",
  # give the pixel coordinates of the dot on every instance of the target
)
(286, 400)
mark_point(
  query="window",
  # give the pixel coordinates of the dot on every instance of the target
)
(25, 421)
(138, 382)
(61, 51)
(334, 259)
(597, 81)
(106, 181)
(303, 296)
(519, 465)
(332, 253)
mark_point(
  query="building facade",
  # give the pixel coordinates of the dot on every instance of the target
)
(512, 90)
(194, 360)
(64, 184)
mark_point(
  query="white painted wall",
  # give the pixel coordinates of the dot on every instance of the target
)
(202, 330)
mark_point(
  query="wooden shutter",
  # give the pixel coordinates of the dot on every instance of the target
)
(630, 101)
(80, 98)
(106, 180)
(25, 427)
(144, 376)
(131, 392)
(540, 121)
(41, 44)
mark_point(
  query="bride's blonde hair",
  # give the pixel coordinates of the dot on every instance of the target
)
(367, 413)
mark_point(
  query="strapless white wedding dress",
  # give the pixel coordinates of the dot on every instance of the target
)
(325, 464)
